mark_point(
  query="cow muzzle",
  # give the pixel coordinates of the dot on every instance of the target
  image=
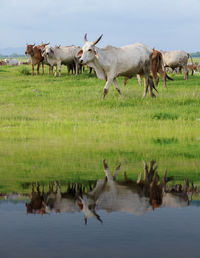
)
(81, 61)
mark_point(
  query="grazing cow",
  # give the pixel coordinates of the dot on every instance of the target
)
(56, 56)
(36, 57)
(110, 62)
(176, 58)
(12, 62)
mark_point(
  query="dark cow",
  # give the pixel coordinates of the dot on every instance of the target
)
(36, 205)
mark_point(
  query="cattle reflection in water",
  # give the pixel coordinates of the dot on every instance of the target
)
(109, 195)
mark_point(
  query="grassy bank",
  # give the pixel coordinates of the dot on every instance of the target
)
(59, 128)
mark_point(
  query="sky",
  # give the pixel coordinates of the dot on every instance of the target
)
(162, 24)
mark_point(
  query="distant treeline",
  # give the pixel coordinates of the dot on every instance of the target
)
(14, 55)
(196, 54)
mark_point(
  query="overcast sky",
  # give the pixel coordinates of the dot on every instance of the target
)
(163, 24)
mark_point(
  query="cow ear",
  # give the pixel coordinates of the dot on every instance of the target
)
(79, 54)
(95, 53)
(80, 204)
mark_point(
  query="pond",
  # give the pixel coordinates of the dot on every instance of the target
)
(144, 217)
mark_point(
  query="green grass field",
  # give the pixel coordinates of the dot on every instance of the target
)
(60, 129)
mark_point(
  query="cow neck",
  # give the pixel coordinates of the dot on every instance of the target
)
(98, 65)
(31, 53)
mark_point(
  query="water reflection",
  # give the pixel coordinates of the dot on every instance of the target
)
(108, 194)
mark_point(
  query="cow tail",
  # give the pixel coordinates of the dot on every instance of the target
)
(152, 84)
(163, 66)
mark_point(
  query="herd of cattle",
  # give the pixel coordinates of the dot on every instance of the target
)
(110, 62)
(110, 195)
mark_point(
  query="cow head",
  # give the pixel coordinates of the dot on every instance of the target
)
(88, 51)
(88, 207)
(29, 49)
(47, 51)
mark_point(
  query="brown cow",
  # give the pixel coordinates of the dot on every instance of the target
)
(36, 205)
(193, 67)
(35, 53)
(2, 63)
(158, 67)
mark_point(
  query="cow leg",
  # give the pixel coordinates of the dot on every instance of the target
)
(76, 67)
(117, 87)
(32, 69)
(55, 74)
(50, 69)
(139, 79)
(185, 72)
(69, 69)
(106, 87)
(151, 86)
(163, 75)
(155, 76)
(59, 68)
(42, 67)
(146, 85)
(38, 68)
(125, 80)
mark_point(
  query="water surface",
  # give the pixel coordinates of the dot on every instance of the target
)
(144, 217)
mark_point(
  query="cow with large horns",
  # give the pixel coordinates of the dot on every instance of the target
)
(110, 62)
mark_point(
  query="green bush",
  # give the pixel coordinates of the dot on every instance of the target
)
(25, 71)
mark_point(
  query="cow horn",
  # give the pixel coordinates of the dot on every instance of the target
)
(85, 38)
(33, 44)
(95, 42)
(48, 43)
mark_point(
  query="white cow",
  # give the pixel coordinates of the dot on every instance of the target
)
(110, 62)
(130, 196)
(12, 62)
(110, 195)
(56, 56)
(176, 58)
(61, 202)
